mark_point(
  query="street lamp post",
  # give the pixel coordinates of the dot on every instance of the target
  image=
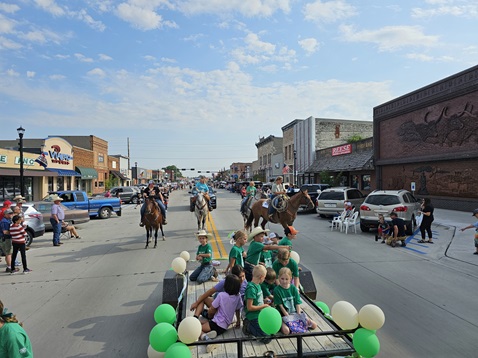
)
(21, 132)
(136, 171)
(295, 167)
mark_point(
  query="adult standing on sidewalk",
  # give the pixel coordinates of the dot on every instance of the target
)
(475, 225)
(426, 225)
(57, 216)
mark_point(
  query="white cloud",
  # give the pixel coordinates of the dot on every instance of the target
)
(324, 12)
(83, 58)
(142, 15)
(7, 44)
(31, 74)
(427, 58)
(96, 72)
(309, 45)
(51, 7)
(254, 44)
(87, 19)
(56, 77)
(6, 25)
(458, 10)
(9, 8)
(62, 57)
(390, 38)
(42, 36)
(12, 73)
(168, 60)
(104, 57)
(248, 8)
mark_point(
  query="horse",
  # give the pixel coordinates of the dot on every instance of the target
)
(201, 209)
(153, 219)
(248, 205)
(285, 218)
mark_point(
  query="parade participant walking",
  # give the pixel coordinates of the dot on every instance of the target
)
(18, 234)
(14, 341)
(56, 219)
(153, 190)
(475, 226)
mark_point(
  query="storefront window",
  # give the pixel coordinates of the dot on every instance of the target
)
(59, 183)
(50, 184)
(366, 182)
(354, 181)
(10, 187)
(101, 184)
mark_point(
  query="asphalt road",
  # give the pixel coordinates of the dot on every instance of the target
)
(95, 297)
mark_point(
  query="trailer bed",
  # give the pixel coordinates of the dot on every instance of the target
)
(325, 341)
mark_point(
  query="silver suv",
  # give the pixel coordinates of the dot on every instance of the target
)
(384, 202)
(331, 201)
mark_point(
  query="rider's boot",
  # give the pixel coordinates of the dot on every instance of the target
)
(141, 223)
(165, 222)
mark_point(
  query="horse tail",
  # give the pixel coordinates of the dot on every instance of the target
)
(249, 220)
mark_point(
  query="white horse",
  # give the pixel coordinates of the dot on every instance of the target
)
(201, 210)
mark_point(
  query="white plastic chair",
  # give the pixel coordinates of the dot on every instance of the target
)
(337, 221)
(351, 221)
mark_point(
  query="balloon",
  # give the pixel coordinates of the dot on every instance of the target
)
(154, 354)
(162, 336)
(189, 330)
(323, 307)
(178, 350)
(270, 320)
(179, 265)
(165, 313)
(366, 343)
(185, 255)
(345, 315)
(295, 256)
(371, 317)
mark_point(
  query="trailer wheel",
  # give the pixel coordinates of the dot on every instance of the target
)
(105, 213)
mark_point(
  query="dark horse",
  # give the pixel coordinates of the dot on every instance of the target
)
(153, 219)
(285, 218)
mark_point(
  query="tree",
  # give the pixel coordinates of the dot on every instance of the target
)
(175, 170)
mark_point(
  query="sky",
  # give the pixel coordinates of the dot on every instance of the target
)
(196, 83)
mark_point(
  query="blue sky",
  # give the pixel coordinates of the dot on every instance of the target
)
(195, 83)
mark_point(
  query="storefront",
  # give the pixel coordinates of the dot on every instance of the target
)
(85, 179)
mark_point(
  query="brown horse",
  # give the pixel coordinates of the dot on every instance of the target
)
(285, 218)
(153, 219)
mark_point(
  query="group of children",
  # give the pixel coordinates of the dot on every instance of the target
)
(264, 276)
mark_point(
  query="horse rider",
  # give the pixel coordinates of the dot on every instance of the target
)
(153, 190)
(277, 189)
(202, 186)
(250, 193)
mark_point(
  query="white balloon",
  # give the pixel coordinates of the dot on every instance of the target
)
(154, 354)
(371, 317)
(179, 265)
(295, 256)
(189, 330)
(345, 315)
(185, 255)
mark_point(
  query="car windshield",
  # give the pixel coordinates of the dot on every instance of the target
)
(382, 200)
(332, 195)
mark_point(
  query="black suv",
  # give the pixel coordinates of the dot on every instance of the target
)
(127, 194)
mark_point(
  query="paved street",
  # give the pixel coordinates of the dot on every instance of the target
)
(95, 297)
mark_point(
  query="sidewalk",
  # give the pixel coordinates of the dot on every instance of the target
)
(460, 244)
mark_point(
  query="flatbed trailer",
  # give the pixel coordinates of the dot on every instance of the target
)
(327, 340)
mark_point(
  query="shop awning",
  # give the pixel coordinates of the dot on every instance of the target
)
(27, 173)
(119, 175)
(64, 172)
(343, 163)
(87, 173)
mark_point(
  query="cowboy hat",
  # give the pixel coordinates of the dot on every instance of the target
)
(18, 198)
(56, 198)
(203, 233)
(256, 231)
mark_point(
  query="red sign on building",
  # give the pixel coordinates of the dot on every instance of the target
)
(343, 149)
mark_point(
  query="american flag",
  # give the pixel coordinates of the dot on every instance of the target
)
(285, 169)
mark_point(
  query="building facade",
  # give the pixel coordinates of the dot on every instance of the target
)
(269, 154)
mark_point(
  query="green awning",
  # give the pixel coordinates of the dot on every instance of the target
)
(87, 173)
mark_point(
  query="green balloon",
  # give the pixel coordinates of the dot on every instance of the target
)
(366, 342)
(323, 307)
(270, 320)
(165, 313)
(162, 336)
(178, 350)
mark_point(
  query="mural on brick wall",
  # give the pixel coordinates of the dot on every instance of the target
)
(450, 178)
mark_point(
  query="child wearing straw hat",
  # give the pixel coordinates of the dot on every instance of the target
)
(205, 271)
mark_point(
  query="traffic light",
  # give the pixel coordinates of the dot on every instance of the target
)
(199, 171)
(207, 171)
(183, 169)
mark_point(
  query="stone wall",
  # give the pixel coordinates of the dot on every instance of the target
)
(331, 133)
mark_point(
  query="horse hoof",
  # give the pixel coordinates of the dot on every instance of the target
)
(146, 247)
(155, 246)
(164, 239)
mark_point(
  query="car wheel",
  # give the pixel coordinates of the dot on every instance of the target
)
(134, 200)
(29, 238)
(105, 213)
(364, 228)
(323, 216)
(409, 230)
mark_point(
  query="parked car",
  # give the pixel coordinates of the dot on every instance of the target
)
(97, 207)
(72, 216)
(212, 196)
(127, 194)
(34, 220)
(384, 202)
(331, 201)
(313, 190)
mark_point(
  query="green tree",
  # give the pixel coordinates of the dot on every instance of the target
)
(174, 169)
(354, 138)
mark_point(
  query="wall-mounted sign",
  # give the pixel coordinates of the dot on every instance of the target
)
(342, 149)
(26, 161)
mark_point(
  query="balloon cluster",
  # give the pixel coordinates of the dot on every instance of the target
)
(370, 318)
(179, 263)
(163, 337)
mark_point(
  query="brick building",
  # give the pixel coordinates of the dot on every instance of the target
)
(430, 137)
(269, 153)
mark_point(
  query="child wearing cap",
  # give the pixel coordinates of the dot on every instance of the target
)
(290, 234)
(475, 226)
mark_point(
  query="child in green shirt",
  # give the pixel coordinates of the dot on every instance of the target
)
(204, 255)
(237, 254)
(268, 285)
(290, 234)
(284, 260)
(14, 341)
